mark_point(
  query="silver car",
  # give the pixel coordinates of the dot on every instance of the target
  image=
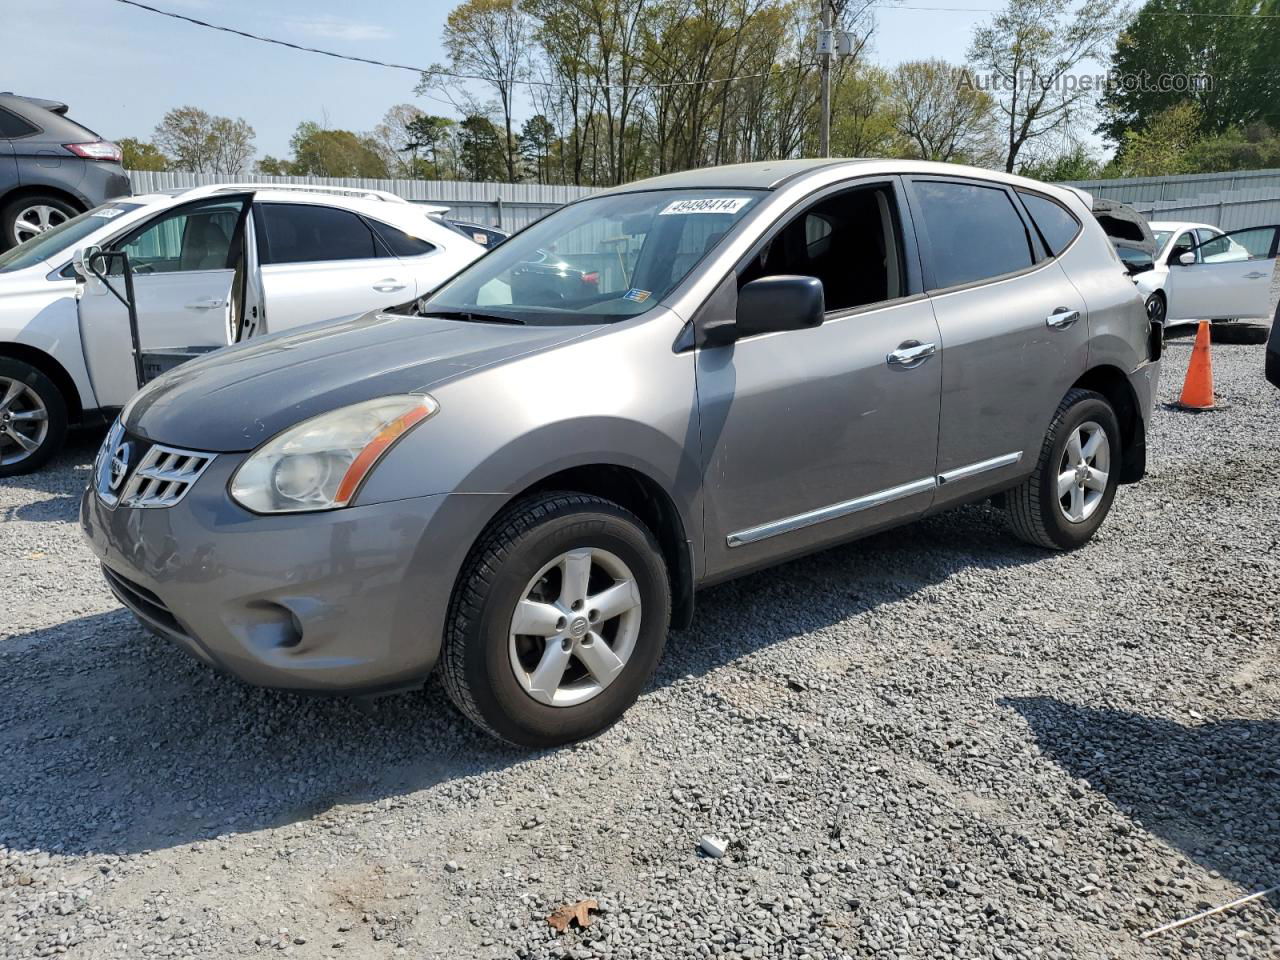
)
(525, 483)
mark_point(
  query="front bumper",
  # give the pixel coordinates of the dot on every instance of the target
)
(345, 601)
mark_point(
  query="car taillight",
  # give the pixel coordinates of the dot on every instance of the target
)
(591, 278)
(97, 150)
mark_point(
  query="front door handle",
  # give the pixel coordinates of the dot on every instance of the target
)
(211, 304)
(1256, 275)
(1062, 318)
(911, 354)
(388, 285)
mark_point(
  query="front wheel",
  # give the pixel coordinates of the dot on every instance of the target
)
(33, 418)
(1064, 501)
(1156, 309)
(558, 620)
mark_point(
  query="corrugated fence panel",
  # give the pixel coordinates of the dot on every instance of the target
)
(507, 205)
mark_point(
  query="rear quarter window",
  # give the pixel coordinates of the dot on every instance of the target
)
(974, 232)
(13, 126)
(1056, 224)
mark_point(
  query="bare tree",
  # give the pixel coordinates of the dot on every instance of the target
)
(942, 114)
(1032, 49)
(200, 142)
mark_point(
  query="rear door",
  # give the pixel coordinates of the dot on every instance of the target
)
(1231, 277)
(1014, 329)
(320, 262)
(185, 263)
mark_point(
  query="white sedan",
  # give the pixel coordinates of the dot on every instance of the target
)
(211, 266)
(1201, 273)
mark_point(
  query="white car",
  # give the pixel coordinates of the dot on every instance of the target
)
(1201, 273)
(210, 266)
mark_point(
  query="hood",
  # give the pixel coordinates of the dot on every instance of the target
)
(236, 398)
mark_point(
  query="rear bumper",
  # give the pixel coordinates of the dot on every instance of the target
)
(348, 601)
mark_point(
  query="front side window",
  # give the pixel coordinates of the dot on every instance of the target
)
(974, 232)
(194, 237)
(311, 233)
(1056, 225)
(849, 241)
(1241, 245)
(1186, 243)
(596, 261)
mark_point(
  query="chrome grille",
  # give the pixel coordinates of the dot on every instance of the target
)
(164, 476)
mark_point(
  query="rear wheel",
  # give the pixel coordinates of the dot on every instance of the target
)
(1064, 501)
(33, 418)
(558, 620)
(28, 217)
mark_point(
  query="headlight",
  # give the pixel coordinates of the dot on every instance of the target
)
(319, 463)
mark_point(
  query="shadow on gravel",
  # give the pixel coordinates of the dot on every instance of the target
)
(1212, 790)
(112, 740)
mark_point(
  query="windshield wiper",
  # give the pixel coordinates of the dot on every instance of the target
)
(472, 316)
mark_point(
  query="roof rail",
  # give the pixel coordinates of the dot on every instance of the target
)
(365, 192)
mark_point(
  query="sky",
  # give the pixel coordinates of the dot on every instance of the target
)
(121, 68)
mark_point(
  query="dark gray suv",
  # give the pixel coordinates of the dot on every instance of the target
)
(51, 168)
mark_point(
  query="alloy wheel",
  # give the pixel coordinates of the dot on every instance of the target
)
(1155, 309)
(575, 627)
(24, 421)
(1083, 472)
(35, 220)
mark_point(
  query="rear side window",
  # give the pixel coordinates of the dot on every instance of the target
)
(1056, 225)
(400, 243)
(309, 233)
(12, 125)
(974, 232)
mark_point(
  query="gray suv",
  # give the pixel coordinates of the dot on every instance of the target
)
(525, 484)
(51, 168)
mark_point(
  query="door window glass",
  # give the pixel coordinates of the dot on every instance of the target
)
(1186, 243)
(196, 237)
(849, 241)
(400, 243)
(310, 233)
(1057, 227)
(974, 232)
(1240, 245)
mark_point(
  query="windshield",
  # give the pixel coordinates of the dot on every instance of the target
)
(597, 261)
(61, 238)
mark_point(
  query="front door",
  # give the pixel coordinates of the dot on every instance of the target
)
(1014, 328)
(184, 263)
(812, 436)
(1230, 278)
(321, 263)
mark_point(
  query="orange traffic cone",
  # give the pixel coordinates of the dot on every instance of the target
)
(1197, 389)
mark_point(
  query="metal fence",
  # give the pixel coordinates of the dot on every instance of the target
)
(1135, 190)
(506, 205)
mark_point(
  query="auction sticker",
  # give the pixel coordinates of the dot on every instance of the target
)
(705, 205)
(637, 296)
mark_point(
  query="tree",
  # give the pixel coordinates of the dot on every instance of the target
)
(319, 152)
(1031, 50)
(202, 143)
(1163, 148)
(480, 151)
(431, 135)
(1073, 164)
(397, 142)
(536, 139)
(141, 155)
(491, 39)
(1227, 65)
(942, 114)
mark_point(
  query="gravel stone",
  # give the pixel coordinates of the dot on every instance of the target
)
(936, 742)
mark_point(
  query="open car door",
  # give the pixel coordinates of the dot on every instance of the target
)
(1229, 277)
(188, 267)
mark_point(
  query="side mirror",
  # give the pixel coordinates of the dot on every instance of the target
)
(89, 261)
(784, 302)
(1187, 259)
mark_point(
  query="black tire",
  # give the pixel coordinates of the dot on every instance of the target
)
(1157, 309)
(9, 215)
(475, 662)
(1035, 513)
(55, 406)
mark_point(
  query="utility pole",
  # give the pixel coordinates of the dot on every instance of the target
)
(824, 108)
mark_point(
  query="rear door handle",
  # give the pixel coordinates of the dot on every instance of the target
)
(1256, 275)
(1062, 318)
(911, 354)
(211, 304)
(388, 285)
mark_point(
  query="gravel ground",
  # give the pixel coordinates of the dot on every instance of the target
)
(934, 743)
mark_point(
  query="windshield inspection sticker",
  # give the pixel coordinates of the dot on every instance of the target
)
(108, 213)
(637, 296)
(705, 205)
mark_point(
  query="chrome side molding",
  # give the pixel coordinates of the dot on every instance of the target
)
(846, 507)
